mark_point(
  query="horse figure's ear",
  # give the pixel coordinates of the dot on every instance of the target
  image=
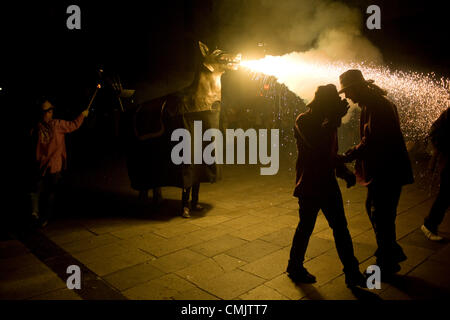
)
(203, 49)
(205, 52)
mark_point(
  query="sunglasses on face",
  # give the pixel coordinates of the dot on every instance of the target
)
(47, 110)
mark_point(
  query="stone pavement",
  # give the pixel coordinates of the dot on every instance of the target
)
(235, 249)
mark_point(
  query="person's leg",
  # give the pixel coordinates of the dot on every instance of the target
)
(185, 202)
(195, 195)
(440, 205)
(36, 197)
(308, 210)
(370, 211)
(51, 182)
(157, 196)
(383, 214)
(333, 209)
(397, 252)
(143, 195)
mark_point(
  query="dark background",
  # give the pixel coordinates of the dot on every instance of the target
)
(143, 40)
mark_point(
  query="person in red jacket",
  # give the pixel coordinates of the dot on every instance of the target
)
(51, 158)
(382, 163)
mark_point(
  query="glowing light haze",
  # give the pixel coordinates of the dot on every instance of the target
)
(420, 98)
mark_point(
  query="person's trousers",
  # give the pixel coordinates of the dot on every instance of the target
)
(381, 205)
(441, 204)
(333, 209)
(43, 198)
(187, 192)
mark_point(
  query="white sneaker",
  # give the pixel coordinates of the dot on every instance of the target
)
(430, 235)
(186, 212)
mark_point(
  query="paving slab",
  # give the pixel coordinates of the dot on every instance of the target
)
(179, 229)
(263, 293)
(118, 262)
(177, 260)
(29, 281)
(89, 243)
(231, 284)
(133, 276)
(286, 287)
(282, 237)
(202, 271)
(194, 294)
(218, 245)
(253, 250)
(228, 263)
(164, 288)
(60, 294)
(269, 266)
(255, 231)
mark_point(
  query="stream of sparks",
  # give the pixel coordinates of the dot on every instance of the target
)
(420, 98)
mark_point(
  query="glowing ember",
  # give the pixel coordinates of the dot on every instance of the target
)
(420, 98)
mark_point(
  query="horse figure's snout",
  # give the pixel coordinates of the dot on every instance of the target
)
(232, 61)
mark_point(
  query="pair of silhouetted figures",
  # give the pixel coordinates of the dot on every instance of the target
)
(382, 164)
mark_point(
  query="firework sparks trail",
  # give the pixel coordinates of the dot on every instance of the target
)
(420, 98)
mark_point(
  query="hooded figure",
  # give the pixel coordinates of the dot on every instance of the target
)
(439, 136)
(316, 184)
(382, 163)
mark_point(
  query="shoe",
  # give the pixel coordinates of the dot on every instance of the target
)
(388, 270)
(355, 279)
(300, 275)
(196, 207)
(400, 257)
(430, 235)
(35, 215)
(186, 212)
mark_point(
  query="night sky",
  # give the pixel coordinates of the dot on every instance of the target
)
(145, 39)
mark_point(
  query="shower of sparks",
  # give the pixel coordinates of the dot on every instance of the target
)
(420, 98)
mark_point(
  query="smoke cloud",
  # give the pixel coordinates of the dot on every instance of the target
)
(308, 35)
(329, 29)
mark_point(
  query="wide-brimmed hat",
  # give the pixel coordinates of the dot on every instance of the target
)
(351, 78)
(326, 93)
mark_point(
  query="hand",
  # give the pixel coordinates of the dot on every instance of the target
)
(351, 180)
(341, 158)
(85, 113)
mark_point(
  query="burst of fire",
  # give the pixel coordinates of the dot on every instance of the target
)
(420, 98)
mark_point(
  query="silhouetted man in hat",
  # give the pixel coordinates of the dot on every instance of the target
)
(382, 163)
(440, 137)
(317, 187)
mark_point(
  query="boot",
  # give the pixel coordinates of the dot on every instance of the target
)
(299, 274)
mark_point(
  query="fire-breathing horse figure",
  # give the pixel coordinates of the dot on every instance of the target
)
(149, 155)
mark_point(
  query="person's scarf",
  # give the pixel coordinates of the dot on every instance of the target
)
(45, 132)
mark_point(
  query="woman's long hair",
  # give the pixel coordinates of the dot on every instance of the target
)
(373, 88)
(43, 129)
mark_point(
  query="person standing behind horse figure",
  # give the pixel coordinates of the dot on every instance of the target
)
(149, 162)
(382, 163)
(51, 159)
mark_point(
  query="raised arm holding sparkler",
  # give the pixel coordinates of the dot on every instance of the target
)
(51, 158)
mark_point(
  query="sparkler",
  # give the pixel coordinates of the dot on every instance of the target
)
(93, 96)
(420, 98)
